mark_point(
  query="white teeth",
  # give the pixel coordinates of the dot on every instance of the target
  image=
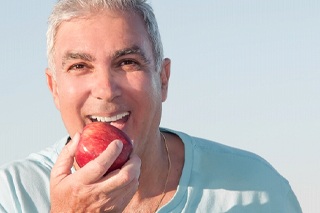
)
(110, 119)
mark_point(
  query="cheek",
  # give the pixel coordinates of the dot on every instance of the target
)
(147, 87)
(72, 95)
(69, 93)
(151, 95)
(156, 87)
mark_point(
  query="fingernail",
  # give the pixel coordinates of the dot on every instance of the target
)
(119, 144)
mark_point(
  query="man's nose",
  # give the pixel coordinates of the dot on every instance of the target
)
(106, 85)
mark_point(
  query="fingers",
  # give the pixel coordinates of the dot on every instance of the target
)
(129, 173)
(120, 198)
(90, 190)
(63, 165)
(95, 169)
(121, 185)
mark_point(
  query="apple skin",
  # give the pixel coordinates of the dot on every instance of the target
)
(95, 138)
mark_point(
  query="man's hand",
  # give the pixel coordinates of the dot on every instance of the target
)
(87, 190)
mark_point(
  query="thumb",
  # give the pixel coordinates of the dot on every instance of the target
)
(64, 163)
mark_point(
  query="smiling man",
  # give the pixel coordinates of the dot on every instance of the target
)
(106, 65)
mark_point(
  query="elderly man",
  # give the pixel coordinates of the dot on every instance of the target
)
(106, 65)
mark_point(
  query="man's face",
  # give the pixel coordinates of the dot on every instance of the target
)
(105, 71)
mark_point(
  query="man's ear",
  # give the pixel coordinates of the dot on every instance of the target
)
(165, 75)
(52, 84)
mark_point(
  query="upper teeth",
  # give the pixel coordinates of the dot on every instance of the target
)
(110, 119)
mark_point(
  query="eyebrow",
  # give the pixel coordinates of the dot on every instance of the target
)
(119, 53)
(131, 50)
(76, 55)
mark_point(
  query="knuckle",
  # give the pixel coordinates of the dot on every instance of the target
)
(126, 177)
(98, 168)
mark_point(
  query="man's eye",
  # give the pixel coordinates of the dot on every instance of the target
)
(77, 67)
(129, 65)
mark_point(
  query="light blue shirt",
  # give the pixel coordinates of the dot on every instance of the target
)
(215, 178)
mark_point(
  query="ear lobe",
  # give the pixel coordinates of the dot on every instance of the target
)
(165, 75)
(52, 84)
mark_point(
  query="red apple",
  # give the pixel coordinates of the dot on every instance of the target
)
(95, 138)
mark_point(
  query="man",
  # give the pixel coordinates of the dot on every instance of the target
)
(106, 65)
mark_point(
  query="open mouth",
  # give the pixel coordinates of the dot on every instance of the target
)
(116, 120)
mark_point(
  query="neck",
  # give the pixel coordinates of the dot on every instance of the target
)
(154, 176)
(156, 188)
(154, 168)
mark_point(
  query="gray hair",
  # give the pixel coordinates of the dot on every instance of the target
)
(66, 10)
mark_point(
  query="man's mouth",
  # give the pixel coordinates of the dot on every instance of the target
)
(116, 119)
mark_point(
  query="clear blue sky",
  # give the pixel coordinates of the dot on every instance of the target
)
(244, 73)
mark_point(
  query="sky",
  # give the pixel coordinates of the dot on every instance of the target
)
(245, 73)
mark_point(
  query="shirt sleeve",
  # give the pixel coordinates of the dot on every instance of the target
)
(25, 184)
(292, 205)
(24, 187)
(7, 196)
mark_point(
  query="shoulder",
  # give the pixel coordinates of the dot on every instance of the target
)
(227, 156)
(28, 178)
(44, 158)
(228, 165)
(218, 178)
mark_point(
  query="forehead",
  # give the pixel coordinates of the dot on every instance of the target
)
(104, 31)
